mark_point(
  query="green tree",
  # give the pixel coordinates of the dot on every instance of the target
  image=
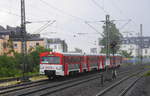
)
(114, 37)
(126, 54)
(10, 46)
(34, 58)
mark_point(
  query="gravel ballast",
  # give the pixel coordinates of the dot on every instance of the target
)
(141, 88)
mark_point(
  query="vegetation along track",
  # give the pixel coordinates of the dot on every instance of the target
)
(122, 88)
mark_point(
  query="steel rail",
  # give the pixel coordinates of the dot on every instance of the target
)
(67, 84)
(22, 86)
(129, 87)
(117, 83)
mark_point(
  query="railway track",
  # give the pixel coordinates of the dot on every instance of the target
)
(129, 87)
(21, 91)
(13, 88)
(48, 87)
(68, 84)
(122, 87)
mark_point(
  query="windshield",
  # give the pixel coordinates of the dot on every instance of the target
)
(51, 60)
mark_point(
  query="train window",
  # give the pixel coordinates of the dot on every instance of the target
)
(93, 59)
(51, 60)
(73, 59)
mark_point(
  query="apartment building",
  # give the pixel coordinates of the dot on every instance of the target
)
(56, 44)
(11, 38)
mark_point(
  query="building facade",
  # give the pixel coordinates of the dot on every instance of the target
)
(10, 38)
(31, 44)
(137, 45)
(4, 41)
(130, 48)
(56, 44)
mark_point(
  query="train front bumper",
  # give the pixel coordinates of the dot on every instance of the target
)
(48, 69)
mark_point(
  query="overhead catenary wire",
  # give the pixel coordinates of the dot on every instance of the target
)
(70, 15)
(92, 27)
(61, 11)
(102, 8)
(122, 13)
(49, 23)
(14, 14)
(123, 26)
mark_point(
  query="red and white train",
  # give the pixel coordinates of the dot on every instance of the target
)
(55, 64)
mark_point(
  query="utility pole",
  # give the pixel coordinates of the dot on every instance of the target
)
(141, 43)
(63, 45)
(138, 46)
(107, 22)
(107, 74)
(23, 37)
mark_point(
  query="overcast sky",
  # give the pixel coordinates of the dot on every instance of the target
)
(70, 16)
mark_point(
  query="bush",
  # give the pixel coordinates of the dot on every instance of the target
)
(8, 66)
(13, 66)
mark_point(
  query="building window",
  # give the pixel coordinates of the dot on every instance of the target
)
(146, 39)
(59, 47)
(30, 45)
(55, 47)
(145, 51)
(4, 45)
(15, 45)
(37, 44)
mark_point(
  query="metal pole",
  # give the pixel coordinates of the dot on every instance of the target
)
(107, 38)
(63, 43)
(114, 69)
(141, 45)
(107, 75)
(23, 36)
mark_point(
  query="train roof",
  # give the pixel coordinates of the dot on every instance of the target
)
(61, 53)
(75, 54)
(81, 54)
(95, 54)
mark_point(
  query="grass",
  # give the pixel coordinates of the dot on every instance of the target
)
(147, 74)
(2, 78)
(126, 64)
(147, 66)
(9, 83)
(41, 77)
(35, 78)
(20, 75)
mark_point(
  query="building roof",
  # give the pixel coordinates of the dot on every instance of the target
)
(2, 28)
(16, 35)
(29, 39)
(4, 33)
(141, 41)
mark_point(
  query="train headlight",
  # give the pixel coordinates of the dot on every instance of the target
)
(41, 67)
(59, 68)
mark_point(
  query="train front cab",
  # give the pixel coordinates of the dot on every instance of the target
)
(51, 64)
